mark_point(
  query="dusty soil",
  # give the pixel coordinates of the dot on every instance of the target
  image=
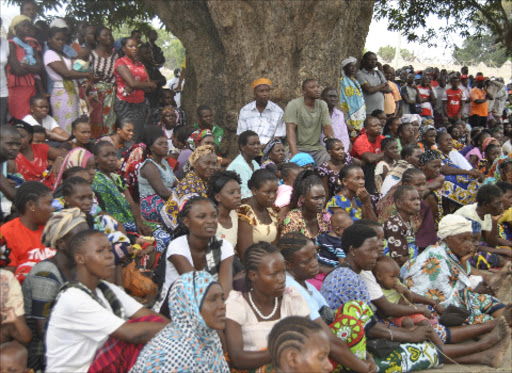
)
(505, 295)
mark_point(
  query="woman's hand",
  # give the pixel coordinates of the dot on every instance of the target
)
(477, 175)
(420, 334)
(144, 229)
(363, 195)
(8, 315)
(439, 309)
(424, 311)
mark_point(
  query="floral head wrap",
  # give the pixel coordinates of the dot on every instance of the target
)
(199, 153)
(77, 157)
(196, 137)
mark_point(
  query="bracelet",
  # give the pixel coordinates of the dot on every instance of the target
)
(390, 333)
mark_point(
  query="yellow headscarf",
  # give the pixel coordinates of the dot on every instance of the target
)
(17, 20)
(60, 224)
(200, 153)
(261, 81)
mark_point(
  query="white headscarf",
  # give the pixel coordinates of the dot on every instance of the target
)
(452, 225)
(348, 60)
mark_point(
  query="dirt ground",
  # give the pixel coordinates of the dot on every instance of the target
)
(505, 295)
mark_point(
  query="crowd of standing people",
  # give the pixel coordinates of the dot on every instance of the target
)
(365, 228)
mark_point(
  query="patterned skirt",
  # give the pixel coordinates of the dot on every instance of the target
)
(150, 207)
(103, 117)
(65, 108)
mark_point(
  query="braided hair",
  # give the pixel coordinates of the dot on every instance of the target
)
(80, 239)
(330, 142)
(29, 191)
(69, 184)
(290, 243)
(218, 181)
(290, 332)
(305, 180)
(410, 175)
(253, 257)
(70, 172)
(181, 229)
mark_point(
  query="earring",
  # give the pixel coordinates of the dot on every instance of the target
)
(353, 254)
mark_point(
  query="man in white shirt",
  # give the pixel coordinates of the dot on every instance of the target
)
(172, 84)
(90, 310)
(262, 115)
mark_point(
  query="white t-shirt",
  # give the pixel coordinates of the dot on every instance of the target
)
(51, 56)
(4, 56)
(459, 160)
(173, 83)
(179, 246)
(79, 326)
(48, 122)
(372, 285)
(469, 212)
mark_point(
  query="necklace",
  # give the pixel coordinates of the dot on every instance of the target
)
(258, 311)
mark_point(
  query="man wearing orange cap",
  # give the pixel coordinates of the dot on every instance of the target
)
(262, 115)
(479, 97)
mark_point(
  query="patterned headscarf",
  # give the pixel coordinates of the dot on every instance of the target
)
(187, 343)
(425, 129)
(303, 159)
(475, 226)
(488, 141)
(196, 137)
(17, 20)
(199, 153)
(428, 156)
(169, 108)
(60, 224)
(452, 225)
(268, 148)
(77, 157)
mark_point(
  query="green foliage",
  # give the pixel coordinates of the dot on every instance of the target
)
(463, 17)
(480, 49)
(407, 55)
(387, 53)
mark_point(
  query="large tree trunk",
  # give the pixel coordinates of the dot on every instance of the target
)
(230, 43)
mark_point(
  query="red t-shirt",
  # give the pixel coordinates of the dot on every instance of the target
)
(362, 145)
(139, 73)
(26, 247)
(453, 100)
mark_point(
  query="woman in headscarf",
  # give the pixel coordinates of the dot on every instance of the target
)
(78, 157)
(24, 64)
(273, 156)
(442, 272)
(204, 164)
(190, 342)
(351, 97)
(304, 160)
(45, 279)
(427, 138)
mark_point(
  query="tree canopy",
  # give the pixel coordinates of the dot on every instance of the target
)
(480, 49)
(464, 17)
(387, 53)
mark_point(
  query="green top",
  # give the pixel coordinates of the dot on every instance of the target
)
(216, 131)
(309, 122)
(392, 295)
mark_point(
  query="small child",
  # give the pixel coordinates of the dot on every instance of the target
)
(492, 151)
(386, 272)
(289, 172)
(391, 156)
(13, 358)
(39, 136)
(330, 253)
(81, 64)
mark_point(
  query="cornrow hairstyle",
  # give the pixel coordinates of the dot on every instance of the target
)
(253, 257)
(99, 146)
(70, 172)
(387, 142)
(290, 243)
(76, 122)
(487, 193)
(29, 191)
(287, 167)
(355, 235)
(410, 174)
(218, 181)
(79, 240)
(330, 142)
(260, 177)
(244, 137)
(409, 150)
(401, 190)
(181, 229)
(290, 332)
(303, 183)
(69, 185)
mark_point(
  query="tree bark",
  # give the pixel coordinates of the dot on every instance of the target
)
(230, 43)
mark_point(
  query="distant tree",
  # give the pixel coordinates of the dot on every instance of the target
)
(464, 17)
(480, 49)
(387, 53)
(407, 55)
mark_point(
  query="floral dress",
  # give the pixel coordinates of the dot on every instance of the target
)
(333, 178)
(340, 201)
(260, 231)
(294, 222)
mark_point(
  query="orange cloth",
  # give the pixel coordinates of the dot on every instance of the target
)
(391, 99)
(261, 81)
(478, 109)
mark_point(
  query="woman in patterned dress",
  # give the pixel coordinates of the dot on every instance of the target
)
(351, 97)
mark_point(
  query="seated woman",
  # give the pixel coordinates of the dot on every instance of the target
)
(442, 272)
(427, 138)
(80, 135)
(423, 221)
(329, 171)
(251, 315)
(46, 277)
(304, 160)
(492, 152)
(353, 197)
(191, 341)
(391, 127)
(32, 161)
(23, 235)
(301, 266)
(257, 219)
(307, 214)
(347, 293)
(204, 164)
(156, 178)
(109, 318)
(122, 138)
(297, 344)
(244, 164)
(180, 137)
(39, 108)
(167, 122)
(430, 163)
(476, 154)
(409, 159)
(195, 248)
(274, 155)
(224, 191)
(116, 199)
(78, 157)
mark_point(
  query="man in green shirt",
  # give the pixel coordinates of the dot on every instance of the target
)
(306, 117)
(205, 115)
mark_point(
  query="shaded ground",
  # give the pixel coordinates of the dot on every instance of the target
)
(505, 295)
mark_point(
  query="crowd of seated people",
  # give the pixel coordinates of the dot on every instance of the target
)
(363, 229)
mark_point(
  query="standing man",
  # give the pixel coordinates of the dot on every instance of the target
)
(156, 51)
(428, 99)
(262, 115)
(479, 97)
(464, 87)
(453, 101)
(373, 83)
(205, 116)
(411, 96)
(392, 99)
(339, 126)
(306, 118)
(10, 144)
(439, 117)
(173, 83)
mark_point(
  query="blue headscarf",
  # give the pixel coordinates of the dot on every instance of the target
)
(303, 159)
(187, 343)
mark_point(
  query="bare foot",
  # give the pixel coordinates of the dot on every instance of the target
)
(494, 356)
(500, 331)
(496, 280)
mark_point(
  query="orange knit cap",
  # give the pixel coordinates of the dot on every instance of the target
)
(261, 81)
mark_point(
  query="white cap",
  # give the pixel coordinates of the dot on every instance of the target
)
(58, 23)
